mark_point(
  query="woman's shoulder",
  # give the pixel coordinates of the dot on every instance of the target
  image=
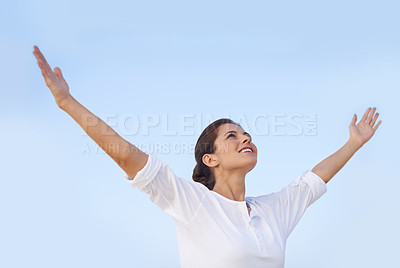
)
(266, 199)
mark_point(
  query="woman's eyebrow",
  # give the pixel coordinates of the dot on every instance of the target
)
(233, 131)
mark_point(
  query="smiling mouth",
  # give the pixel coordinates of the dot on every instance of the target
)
(246, 150)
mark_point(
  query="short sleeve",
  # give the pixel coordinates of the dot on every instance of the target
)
(175, 196)
(290, 203)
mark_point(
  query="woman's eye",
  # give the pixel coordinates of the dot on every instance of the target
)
(230, 135)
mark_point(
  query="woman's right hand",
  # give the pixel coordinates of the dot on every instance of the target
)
(54, 79)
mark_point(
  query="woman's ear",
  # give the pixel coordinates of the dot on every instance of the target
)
(210, 160)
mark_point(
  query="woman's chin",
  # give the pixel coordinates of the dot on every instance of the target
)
(252, 164)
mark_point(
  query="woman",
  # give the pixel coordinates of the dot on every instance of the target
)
(216, 224)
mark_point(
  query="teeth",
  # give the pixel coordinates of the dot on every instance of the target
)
(246, 150)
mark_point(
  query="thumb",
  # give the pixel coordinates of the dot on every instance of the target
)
(57, 72)
(354, 120)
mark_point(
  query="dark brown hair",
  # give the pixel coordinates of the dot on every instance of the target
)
(205, 145)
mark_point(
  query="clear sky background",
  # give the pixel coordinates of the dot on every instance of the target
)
(294, 72)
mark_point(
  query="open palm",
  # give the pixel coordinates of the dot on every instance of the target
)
(365, 129)
(54, 79)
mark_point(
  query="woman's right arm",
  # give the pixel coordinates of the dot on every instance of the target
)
(130, 158)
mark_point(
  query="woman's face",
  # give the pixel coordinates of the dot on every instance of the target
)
(234, 148)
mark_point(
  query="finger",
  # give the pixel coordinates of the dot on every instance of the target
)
(57, 71)
(42, 59)
(42, 69)
(374, 120)
(365, 115)
(46, 74)
(368, 121)
(43, 66)
(48, 77)
(377, 125)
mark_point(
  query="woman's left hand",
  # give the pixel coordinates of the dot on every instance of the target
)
(365, 129)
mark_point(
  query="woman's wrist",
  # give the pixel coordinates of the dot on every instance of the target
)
(64, 103)
(354, 144)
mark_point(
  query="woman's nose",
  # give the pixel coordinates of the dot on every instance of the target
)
(246, 139)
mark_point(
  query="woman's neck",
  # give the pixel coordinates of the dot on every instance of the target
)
(231, 186)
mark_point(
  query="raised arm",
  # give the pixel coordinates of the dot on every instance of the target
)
(125, 154)
(359, 135)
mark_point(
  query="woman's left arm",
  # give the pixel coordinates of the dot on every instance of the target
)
(359, 135)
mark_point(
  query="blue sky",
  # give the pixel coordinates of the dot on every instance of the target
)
(181, 63)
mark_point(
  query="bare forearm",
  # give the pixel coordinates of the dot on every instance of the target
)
(126, 155)
(331, 165)
(109, 140)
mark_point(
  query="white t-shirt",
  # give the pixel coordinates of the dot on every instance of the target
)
(214, 231)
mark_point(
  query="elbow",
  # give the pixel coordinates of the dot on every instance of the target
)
(124, 154)
(121, 161)
(323, 175)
